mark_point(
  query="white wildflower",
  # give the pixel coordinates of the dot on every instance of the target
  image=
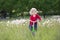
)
(1, 22)
(8, 21)
(21, 21)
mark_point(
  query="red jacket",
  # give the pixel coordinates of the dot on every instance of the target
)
(32, 18)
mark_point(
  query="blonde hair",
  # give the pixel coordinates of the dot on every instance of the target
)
(34, 11)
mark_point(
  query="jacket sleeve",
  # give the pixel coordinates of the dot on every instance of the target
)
(39, 17)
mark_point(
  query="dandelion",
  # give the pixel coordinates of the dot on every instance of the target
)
(58, 20)
(8, 21)
(1, 22)
(46, 22)
(21, 21)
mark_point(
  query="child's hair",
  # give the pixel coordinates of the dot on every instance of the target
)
(34, 10)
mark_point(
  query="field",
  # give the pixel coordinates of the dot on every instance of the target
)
(47, 30)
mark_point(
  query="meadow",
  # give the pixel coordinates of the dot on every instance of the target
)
(48, 29)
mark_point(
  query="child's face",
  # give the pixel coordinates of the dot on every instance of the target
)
(33, 12)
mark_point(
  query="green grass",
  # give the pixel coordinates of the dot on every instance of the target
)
(22, 32)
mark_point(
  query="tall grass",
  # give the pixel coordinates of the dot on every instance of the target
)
(21, 32)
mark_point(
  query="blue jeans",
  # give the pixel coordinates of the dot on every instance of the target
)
(31, 27)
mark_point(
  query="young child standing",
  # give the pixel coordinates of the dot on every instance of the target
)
(33, 19)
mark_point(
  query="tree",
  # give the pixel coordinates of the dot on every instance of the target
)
(20, 6)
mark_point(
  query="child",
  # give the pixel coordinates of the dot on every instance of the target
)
(33, 18)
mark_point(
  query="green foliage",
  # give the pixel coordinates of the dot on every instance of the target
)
(25, 5)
